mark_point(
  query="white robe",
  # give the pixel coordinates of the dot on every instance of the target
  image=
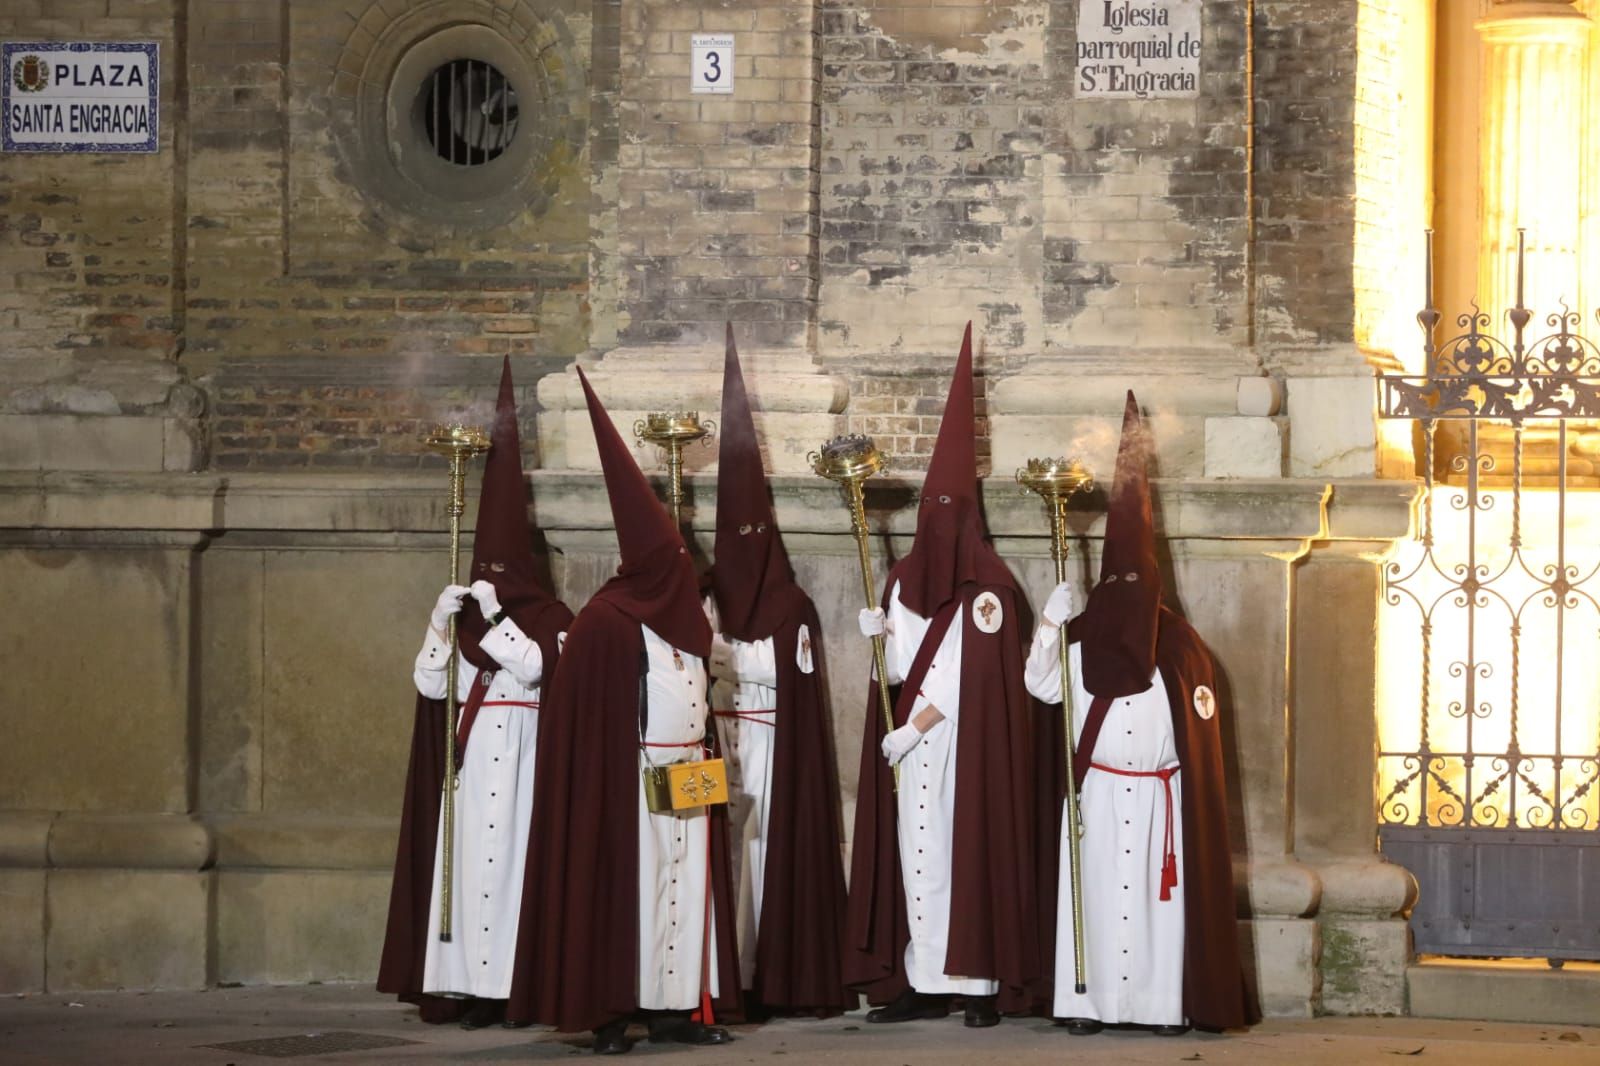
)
(1133, 946)
(746, 709)
(926, 803)
(493, 813)
(675, 937)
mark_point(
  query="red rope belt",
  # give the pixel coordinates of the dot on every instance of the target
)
(754, 716)
(475, 703)
(1169, 859)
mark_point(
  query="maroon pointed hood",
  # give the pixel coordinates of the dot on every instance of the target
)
(1119, 623)
(655, 582)
(950, 550)
(752, 578)
(502, 546)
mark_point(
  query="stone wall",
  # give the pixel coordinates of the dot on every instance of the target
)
(884, 172)
(222, 358)
(205, 785)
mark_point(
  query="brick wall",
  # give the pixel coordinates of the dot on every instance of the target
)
(90, 251)
(930, 209)
(1305, 68)
(289, 255)
(886, 170)
(716, 194)
(1146, 216)
(252, 253)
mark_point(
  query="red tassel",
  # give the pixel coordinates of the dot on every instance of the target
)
(1169, 877)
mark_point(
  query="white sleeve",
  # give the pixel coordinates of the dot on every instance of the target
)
(433, 661)
(756, 663)
(1042, 672)
(519, 656)
(898, 646)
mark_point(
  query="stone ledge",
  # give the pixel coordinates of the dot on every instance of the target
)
(25, 838)
(42, 840)
(1197, 508)
(1523, 990)
(266, 842)
(1280, 889)
(134, 841)
(1372, 888)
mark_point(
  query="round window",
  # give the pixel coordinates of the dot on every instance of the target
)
(469, 112)
(464, 125)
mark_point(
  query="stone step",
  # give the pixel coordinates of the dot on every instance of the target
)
(1522, 990)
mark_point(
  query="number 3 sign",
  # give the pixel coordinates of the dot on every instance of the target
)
(711, 69)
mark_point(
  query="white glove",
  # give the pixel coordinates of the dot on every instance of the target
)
(488, 602)
(1058, 608)
(872, 622)
(721, 662)
(448, 604)
(898, 745)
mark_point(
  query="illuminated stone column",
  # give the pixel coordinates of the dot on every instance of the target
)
(1535, 67)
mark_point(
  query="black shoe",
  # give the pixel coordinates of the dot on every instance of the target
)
(911, 1006)
(981, 1013)
(1169, 1030)
(1083, 1026)
(612, 1038)
(484, 1013)
(680, 1030)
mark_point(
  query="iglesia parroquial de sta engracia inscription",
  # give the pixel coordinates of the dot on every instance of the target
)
(1138, 49)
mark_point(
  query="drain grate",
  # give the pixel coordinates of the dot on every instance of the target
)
(302, 1044)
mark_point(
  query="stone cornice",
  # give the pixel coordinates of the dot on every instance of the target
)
(571, 501)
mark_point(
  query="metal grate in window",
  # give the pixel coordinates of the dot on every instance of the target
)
(469, 112)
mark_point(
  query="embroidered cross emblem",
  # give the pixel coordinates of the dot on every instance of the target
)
(805, 645)
(987, 608)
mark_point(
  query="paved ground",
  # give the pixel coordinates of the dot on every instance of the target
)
(178, 1028)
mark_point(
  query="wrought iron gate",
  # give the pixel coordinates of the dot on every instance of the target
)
(1489, 771)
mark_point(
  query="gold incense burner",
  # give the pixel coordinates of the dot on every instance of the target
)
(672, 431)
(459, 444)
(847, 459)
(850, 461)
(1055, 479)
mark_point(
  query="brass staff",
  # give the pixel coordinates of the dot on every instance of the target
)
(671, 431)
(1057, 480)
(459, 444)
(850, 461)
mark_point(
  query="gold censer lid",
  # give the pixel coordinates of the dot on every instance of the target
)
(1055, 479)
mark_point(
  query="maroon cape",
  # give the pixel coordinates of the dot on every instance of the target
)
(1215, 994)
(578, 942)
(405, 943)
(798, 968)
(994, 893)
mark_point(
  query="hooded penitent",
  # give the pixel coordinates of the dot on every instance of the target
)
(1119, 622)
(503, 555)
(655, 581)
(802, 904)
(1126, 634)
(502, 546)
(950, 550)
(953, 577)
(581, 889)
(752, 578)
